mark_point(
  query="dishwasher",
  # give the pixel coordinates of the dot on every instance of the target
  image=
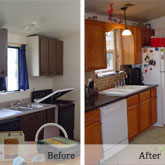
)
(114, 128)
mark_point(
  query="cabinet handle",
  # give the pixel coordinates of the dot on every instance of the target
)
(42, 72)
(2, 72)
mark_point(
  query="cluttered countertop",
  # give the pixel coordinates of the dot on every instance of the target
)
(93, 102)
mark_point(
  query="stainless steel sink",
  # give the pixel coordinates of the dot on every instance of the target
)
(123, 90)
(26, 107)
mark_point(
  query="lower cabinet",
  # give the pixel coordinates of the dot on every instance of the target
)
(133, 121)
(145, 115)
(93, 135)
(153, 110)
(29, 124)
(141, 112)
(93, 127)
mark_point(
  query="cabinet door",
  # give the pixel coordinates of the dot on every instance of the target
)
(29, 124)
(44, 56)
(59, 58)
(153, 110)
(3, 52)
(128, 49)
(52, 56)
(138, 45)
(95, 46)
(145, 115)
(93, 133)
(50, 116)
(133, 121)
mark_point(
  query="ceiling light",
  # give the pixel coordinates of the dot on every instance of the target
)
(125, 32)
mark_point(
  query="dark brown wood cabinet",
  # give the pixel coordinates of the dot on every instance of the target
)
(59, 58)
(95, 46)
(146, 34)
(3, 52)
(29, 124)
(45, 56)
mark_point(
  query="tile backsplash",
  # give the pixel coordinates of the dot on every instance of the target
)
(103, 82)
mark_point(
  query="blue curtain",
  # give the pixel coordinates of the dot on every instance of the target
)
(2, 84)
(23, 75)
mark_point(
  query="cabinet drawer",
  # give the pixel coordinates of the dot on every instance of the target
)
(153, 92)
(91, 117)
(144, 95)
(133, 100)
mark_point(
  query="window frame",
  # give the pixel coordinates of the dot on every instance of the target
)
(102, 72)
(18, 48)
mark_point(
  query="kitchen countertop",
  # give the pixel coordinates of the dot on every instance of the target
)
(93, 102)
(7, 114)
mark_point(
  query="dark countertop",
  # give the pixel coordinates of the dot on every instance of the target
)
(93, 102)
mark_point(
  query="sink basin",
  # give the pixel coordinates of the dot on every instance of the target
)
(26, 107)
(123, 90)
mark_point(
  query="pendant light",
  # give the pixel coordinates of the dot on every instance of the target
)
(126, 31)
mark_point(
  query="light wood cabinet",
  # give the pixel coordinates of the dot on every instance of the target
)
(45, 56)
(95, 46)
(93, 127)
(141, 112)
(93, 135)
(131, 47)
(133, 121)
(145, 115)
(3, 52)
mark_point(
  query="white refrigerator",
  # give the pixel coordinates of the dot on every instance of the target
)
(153, 69)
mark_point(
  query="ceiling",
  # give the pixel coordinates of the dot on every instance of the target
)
(144, 10)
(55, 18)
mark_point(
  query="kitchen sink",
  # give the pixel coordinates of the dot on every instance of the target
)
(26, 107)
(123, 90)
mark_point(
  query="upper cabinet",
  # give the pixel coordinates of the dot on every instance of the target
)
(146, 33)
(131, 47)
(3, 52)
(95, 46)
(45, 56)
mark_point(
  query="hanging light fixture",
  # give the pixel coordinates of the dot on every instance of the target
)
(126, 31)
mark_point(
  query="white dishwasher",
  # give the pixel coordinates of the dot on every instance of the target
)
(114, 128)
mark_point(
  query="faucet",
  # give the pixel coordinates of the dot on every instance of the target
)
(126, 76)
(17, 102)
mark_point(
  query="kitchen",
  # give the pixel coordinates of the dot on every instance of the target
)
(37, 52)
(124, 75)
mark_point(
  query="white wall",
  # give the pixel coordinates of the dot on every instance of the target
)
(71, 77)
(37, 83)
(159, 26)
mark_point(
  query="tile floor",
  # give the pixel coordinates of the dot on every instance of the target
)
(153, 135)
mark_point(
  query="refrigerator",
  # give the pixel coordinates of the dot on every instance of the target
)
(153, 71)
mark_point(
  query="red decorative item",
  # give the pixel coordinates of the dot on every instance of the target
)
(150, 68)
(110, 11)
(146, 71)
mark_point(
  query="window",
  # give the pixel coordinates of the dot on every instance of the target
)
(110, 47)
(13, 69)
